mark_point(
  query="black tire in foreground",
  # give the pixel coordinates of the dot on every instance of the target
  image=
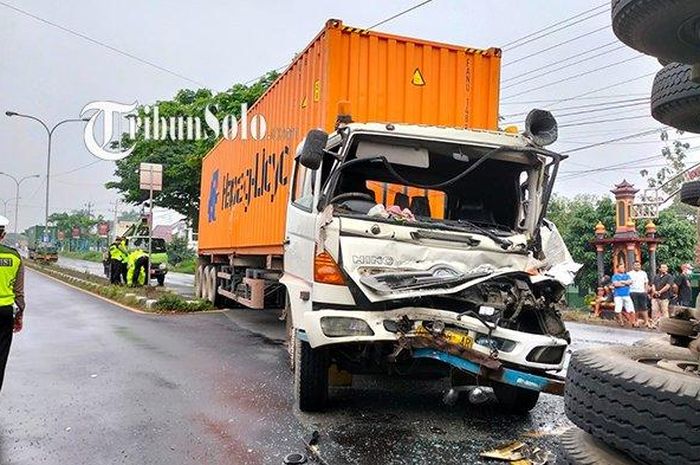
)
(515, 400)
(310, 376)
(667, 29)
(580, 448)
(690, 193)
(675, 98)
(621, 396)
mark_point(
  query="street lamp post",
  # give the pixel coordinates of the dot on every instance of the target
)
(5, 202)
(17, 182)
(49, 133)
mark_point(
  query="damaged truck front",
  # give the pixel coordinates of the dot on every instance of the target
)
(418, 249)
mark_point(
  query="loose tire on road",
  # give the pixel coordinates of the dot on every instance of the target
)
(515, 400)
(580, 448)
(310, 376)
(690, 194)
(619, 395)
(666, 29)
(676, 327)
(675, 98)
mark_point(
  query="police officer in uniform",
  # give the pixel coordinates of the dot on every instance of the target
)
(11, 294)
(117, 256)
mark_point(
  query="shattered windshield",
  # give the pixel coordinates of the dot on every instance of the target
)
(495, 196)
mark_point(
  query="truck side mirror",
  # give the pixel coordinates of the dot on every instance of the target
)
(312, 152)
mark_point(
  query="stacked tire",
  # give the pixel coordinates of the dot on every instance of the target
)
(633, 404)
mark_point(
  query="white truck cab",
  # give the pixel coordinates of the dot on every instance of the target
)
(410, 243)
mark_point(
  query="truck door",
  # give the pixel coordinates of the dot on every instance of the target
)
(301, 220)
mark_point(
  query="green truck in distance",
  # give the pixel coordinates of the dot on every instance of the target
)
(41, 243)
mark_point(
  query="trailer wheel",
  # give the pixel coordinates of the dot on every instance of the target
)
(212, 285)
(580, 448)
(667, 29)
(310, 376)
(204, 277)
(690, 193)
(638, 399)
(514, 399)
(675, 98)
(198, 282)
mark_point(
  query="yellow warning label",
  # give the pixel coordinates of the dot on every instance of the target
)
(304, 102)
(317, 91)
(417, 79)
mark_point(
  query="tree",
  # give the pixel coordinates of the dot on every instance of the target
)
(182, 160)
(675, 157)
(679, 239)
(576, 219)
(178, 251)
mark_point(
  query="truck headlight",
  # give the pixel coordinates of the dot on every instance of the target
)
(334, 326)
(163, 267)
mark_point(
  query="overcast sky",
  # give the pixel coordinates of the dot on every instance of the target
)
(49, 73)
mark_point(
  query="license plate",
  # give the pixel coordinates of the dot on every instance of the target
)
(453, 337)
(458, 338)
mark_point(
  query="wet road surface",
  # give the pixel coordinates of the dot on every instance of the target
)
(180, 283)
(88, 382)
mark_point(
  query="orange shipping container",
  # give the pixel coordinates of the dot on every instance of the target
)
(386, 78)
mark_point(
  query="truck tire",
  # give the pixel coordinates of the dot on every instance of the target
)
(629, 398)
(198, 282)
(676, 327)
(675, 98)
(212, 285)
(514, 399)
(667, 29)
(290, 332)
(580, 448)
(310, 376)
(690, 194)
(206, 286)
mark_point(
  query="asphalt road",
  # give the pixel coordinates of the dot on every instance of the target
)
(180, 283)
(91, 383)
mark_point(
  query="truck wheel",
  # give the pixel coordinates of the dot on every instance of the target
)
(638, 400)
(580, 448)
(198, 282)
(675, 98)
(310, 376)
(690, 193)
(514, 399)
(668, 29)
(291, 333)
(211, 284)
(676, 327)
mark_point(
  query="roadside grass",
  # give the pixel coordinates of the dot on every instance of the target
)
(90, 255)
(185, 266)
(161, 301)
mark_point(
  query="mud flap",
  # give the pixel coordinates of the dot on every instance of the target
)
(517, 378)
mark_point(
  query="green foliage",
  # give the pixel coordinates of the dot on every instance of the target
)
(679, 239)
(576, 219)
(182, 160)
(674, 157)
(90, 256)
(175, 303)
(177, 250)
(186, 266)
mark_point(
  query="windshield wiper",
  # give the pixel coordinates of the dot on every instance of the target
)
(504, 243)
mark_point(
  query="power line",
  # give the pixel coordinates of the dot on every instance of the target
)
(544, 29)
(602, 121)
(549, 70)
(557, 29)
(620, 83)
(589, 105)
(560, 44)
(576, 76)
(101, 44)
(599, 97)
(94, 162)
(548, 66)
(598, 144)
(401, 13)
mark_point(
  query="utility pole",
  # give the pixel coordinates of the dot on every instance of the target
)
(89, 209)
(116, 219)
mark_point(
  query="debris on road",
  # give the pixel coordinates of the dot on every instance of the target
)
(519, 453)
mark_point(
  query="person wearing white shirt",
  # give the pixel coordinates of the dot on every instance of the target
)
(639, 292)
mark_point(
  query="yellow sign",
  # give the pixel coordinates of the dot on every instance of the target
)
(304, 102)
(317, 91)
(417, 79)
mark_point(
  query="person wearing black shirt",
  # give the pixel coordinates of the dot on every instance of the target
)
(682, 284)
(661, 293)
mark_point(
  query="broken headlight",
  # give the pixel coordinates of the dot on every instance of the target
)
(333, 326)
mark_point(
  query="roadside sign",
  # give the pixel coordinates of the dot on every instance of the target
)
(151, 176)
